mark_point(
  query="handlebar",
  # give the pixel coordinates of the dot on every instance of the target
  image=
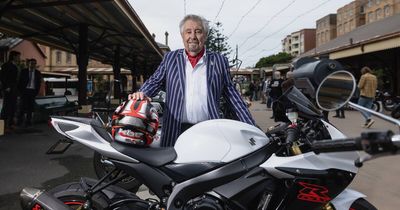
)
(292, 134)
(341, 145)
(370, 142)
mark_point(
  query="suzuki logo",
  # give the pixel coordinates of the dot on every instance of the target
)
(252, 142)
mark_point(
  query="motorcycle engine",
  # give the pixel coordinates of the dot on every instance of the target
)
(204, 203)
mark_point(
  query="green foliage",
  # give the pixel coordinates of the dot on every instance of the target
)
(281, 57)
(216, 41)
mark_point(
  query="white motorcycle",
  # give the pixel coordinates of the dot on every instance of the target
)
(224, 164)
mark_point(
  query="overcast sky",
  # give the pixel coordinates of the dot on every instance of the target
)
(256, 26)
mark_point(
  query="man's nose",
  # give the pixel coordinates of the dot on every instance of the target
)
(192, 35)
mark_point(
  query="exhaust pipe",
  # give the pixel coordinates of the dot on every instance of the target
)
(30, 197)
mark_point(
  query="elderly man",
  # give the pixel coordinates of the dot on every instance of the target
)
(195, 79)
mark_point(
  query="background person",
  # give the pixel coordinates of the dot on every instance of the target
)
(367, 85)
(28, 86)
(9, 77)
(194, 79)
(275, 89)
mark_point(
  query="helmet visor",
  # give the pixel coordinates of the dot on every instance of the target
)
(133, 121)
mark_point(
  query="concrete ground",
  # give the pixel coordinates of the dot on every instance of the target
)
(23, 162)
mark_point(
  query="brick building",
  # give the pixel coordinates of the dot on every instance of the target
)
(299, 42)
(287, 44)
(350, 16)
(379, 9)
(326, 29)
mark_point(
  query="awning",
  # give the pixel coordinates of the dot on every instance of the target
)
(91, 71)
(55, 74)
(110, 24)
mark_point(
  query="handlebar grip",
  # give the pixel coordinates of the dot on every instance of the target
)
(292, 134)
(337, 145)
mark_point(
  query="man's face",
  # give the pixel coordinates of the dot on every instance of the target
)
(193, 37)
(32, 64)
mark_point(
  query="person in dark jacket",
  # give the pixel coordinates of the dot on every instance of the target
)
(29, 86)
(8, 78)
(275, 89)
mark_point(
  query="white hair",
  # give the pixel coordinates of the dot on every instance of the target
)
(196, 18)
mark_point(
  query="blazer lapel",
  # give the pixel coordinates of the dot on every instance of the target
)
(210, 71)
(181, 72)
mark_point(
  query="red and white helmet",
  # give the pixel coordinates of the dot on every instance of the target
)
(135, 122)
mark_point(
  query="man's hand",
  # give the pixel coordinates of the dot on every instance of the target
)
(138, 95)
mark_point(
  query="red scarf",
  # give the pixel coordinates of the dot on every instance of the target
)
(195, 59)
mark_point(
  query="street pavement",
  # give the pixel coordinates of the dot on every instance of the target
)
(24, 162)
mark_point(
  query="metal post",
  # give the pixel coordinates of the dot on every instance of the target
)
(117, 73)
(83, 60)
(134, 79)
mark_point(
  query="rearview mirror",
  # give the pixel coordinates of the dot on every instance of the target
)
(335, 90)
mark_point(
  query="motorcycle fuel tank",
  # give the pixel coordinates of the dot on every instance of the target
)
(219, 140)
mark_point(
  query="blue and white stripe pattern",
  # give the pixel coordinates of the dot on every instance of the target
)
(171, 73)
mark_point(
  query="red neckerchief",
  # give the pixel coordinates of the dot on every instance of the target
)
(195, 59)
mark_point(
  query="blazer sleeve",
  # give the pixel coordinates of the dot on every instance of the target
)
(233, 97)
(153, 85)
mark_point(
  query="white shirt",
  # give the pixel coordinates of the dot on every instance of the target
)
(31, 82)
(195, 108)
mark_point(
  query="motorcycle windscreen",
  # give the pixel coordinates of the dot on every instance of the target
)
(302, 103)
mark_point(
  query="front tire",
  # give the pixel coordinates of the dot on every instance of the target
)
(362, 204)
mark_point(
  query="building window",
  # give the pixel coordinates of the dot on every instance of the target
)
(379, 14)
(58, 57)
(369, 3)
(370, 17)
(346, 27)
(362, 9)
(387, 10)
(68, 60)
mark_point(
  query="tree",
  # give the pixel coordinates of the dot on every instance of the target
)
(281, 57)
(216, 41)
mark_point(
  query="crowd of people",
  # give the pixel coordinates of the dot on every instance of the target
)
(189, 80)
(18, 83)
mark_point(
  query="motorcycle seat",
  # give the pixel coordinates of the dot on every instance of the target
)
(151, 156)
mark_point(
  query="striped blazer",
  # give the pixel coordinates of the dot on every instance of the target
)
(171, 74)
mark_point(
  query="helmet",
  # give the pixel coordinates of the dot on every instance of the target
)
(135, 122)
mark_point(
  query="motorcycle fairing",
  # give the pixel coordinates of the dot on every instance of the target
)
(346, 198)
(228, 172)
(183, 171)
(218, 140)
(243, 193)
(309, 161)
(82, 130)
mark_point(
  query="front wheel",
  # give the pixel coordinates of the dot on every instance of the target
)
(362, 204)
